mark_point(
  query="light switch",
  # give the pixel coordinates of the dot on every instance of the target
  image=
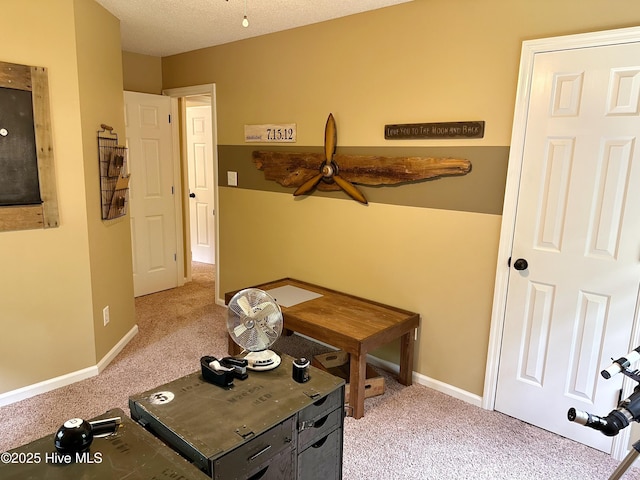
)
(232, 179)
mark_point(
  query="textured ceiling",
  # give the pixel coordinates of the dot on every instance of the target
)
(168, 27)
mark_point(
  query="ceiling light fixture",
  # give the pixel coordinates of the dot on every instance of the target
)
(245, 20)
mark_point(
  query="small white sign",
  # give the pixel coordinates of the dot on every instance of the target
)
(271, 133)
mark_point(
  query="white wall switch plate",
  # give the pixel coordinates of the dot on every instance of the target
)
(105, 315)
(232, 179)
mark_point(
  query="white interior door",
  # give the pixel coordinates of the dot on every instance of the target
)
(201, 188)
(151, 199)
(578, 227)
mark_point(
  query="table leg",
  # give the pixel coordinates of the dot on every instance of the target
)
(357, 376)
(406, 359)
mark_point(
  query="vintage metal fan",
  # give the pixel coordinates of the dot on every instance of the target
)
(254, 321)
(329, 171)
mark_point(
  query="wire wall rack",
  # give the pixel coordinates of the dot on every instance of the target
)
(114, 176)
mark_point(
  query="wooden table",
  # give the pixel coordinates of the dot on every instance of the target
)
(352, 324)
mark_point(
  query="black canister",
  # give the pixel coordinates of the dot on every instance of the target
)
(301, 370)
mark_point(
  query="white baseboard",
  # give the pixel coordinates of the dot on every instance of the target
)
(113, 353)
(67, 379)
(47, 385)
(437, 385)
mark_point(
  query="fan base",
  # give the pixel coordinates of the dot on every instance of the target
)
(263, 360)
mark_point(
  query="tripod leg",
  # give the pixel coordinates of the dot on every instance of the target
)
(626, 462)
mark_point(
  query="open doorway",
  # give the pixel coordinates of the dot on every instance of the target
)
(183, 100)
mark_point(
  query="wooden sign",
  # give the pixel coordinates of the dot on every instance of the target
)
(270, 133)
(434, 131)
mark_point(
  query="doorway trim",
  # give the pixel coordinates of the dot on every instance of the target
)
(176, 93)
(525, 75)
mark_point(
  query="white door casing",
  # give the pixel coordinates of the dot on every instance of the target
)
(201, 188)
(151, 198)
(573, 164)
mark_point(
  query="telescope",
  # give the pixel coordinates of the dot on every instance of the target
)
(628, 410)
(622, 364)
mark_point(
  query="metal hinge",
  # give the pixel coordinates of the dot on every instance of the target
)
(169, 118)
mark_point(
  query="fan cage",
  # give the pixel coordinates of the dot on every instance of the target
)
(249, 330)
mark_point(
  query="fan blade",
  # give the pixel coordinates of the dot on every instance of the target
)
(351, 189)
(263, 338)
(263, 310)
(307, 186)
(239, 330)
(271, 332)
(330, 138)
(244, 304)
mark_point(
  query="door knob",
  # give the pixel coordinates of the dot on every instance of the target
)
(192, 195)
(521, 264)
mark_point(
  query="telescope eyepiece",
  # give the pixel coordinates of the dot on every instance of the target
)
(609, 425)
(578, 416)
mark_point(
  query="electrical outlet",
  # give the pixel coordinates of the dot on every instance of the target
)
(105, 315)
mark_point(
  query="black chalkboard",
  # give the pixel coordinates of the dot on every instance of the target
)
(19, 184)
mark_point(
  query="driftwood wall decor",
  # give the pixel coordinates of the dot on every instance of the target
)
(293, 169)
(330, 171)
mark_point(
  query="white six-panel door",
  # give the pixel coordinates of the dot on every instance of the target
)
(578, 228)
(201, 188)
(153, 231)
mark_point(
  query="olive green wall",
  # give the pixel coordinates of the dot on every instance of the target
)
(481, 190)
(423, 61)
(55, 282)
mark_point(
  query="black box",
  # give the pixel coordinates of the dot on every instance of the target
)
(131, 453)
(251, 428)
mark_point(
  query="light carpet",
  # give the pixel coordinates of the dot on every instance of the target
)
(407, 433)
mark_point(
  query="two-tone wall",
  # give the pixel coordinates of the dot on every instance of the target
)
(430, 247)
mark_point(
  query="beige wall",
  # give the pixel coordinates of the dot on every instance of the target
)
(54, 281)
(101, 101)
(142, 73)
(436, 262)
(424, 61)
